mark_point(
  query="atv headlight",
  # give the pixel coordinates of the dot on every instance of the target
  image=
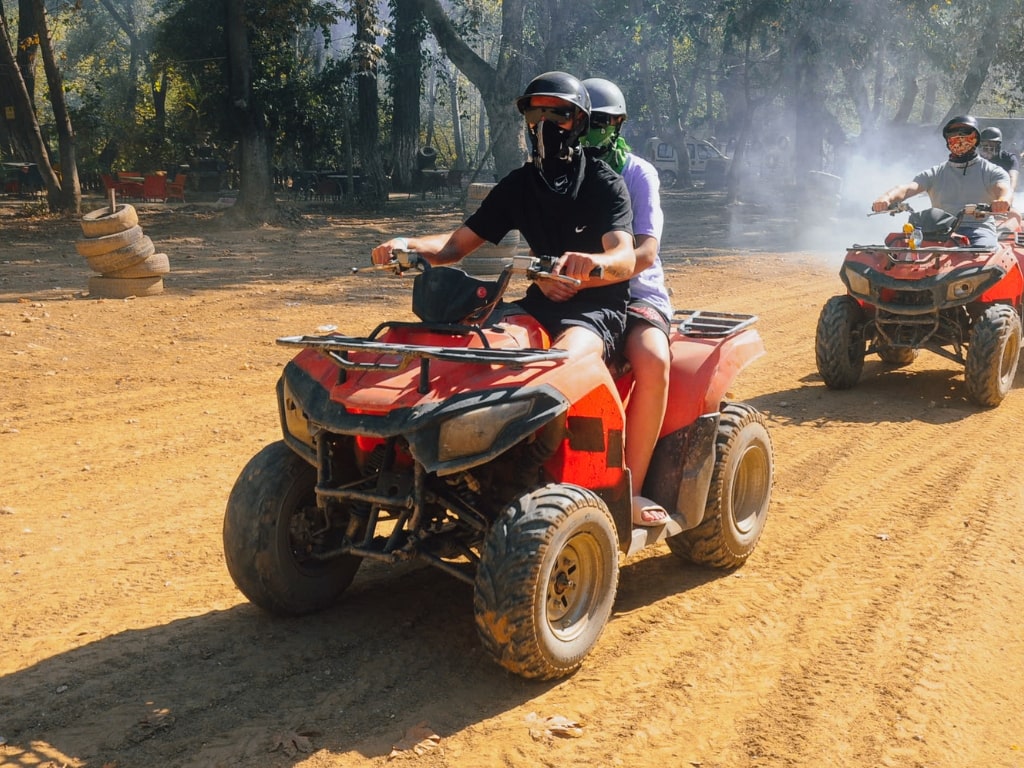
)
(475, 431)
(964, 287)
(857, 282)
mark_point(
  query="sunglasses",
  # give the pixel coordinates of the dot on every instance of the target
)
(563, 117)
(600, 120)
(959, 132)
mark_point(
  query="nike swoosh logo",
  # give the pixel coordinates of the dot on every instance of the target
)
(580, 229)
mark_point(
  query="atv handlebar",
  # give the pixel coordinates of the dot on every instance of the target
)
(539, 268)
(400, 262)
(980, 210)
(893, 209)
(533, 267)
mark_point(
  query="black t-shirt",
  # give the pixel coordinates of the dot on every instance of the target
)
(552, 224)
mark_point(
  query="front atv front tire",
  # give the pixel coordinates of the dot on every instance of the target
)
(993, 355)
(839, 345)
(272, 527)
(741, 490)
(546, 581)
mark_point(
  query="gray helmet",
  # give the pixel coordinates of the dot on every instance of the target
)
(605, 96)
(992, 134)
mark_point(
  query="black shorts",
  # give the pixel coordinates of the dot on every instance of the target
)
(642, 312)
(556, 317)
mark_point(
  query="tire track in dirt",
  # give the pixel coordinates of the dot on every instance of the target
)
(813, 568)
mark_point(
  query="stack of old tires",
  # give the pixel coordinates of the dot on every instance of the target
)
(126, 260)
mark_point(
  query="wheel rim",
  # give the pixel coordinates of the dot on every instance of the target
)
(749, 488)
(304, 540)
(1008, 365)
(574, 585)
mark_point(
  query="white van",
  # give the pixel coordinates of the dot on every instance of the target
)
(706, 161)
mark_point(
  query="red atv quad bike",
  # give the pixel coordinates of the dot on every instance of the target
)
(940, 294)
(464, 441)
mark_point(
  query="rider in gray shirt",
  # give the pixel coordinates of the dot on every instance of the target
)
(963, 179)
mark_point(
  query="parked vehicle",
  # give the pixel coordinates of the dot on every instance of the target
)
(706, 162)
(466, 442)
(940, 294)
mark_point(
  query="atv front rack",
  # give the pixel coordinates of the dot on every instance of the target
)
(398, 357)
(338, 347)
(702, 324)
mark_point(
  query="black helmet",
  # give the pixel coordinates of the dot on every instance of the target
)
(962, 121)
(605, 96)
(561, 85)
(992, 134)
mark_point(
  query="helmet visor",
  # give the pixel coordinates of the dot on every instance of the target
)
(552, 109)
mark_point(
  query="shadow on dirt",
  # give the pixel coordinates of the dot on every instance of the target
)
(255, 686)
(883, 394)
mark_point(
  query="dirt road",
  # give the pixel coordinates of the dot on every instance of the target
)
(877, 624)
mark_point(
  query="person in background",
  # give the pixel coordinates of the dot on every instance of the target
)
(992, 150)
(564, 205)
(649, 312)
(965, 178)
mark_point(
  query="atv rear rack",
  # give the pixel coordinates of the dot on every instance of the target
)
(702, 324)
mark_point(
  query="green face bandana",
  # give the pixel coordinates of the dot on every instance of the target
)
(598, 137)
(612, 147)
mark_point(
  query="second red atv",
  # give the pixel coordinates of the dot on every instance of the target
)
(961, 302)
(465, 442)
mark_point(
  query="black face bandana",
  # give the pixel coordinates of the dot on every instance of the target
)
(553, 156)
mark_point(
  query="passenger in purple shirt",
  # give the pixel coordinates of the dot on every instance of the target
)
(649, 312)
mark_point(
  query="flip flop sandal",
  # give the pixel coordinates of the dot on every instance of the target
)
(641, 505)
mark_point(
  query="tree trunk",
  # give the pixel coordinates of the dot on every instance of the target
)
(498, 85)
(255, 192)
(64, 194)
(374, 187)
(405, 92)
(26, 124)
(979, 65)
(28, 46)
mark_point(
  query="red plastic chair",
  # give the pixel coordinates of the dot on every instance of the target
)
(154, 187)
(175, 190)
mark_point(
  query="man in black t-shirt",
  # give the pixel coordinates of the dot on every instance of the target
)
(564, 205)
(991, 149)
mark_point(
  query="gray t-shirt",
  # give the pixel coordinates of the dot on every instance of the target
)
(951, 186)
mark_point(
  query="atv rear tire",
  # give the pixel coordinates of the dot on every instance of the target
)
(993, 355)
(269, 534)
(839, 346)
(741, 489)
(546, 582)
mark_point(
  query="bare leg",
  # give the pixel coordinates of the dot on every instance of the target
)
(648, 352)
(579, 341)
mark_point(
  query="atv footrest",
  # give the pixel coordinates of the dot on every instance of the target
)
(702, 323)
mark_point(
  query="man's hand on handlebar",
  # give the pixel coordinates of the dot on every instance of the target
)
(385, 252)
(577, 265)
